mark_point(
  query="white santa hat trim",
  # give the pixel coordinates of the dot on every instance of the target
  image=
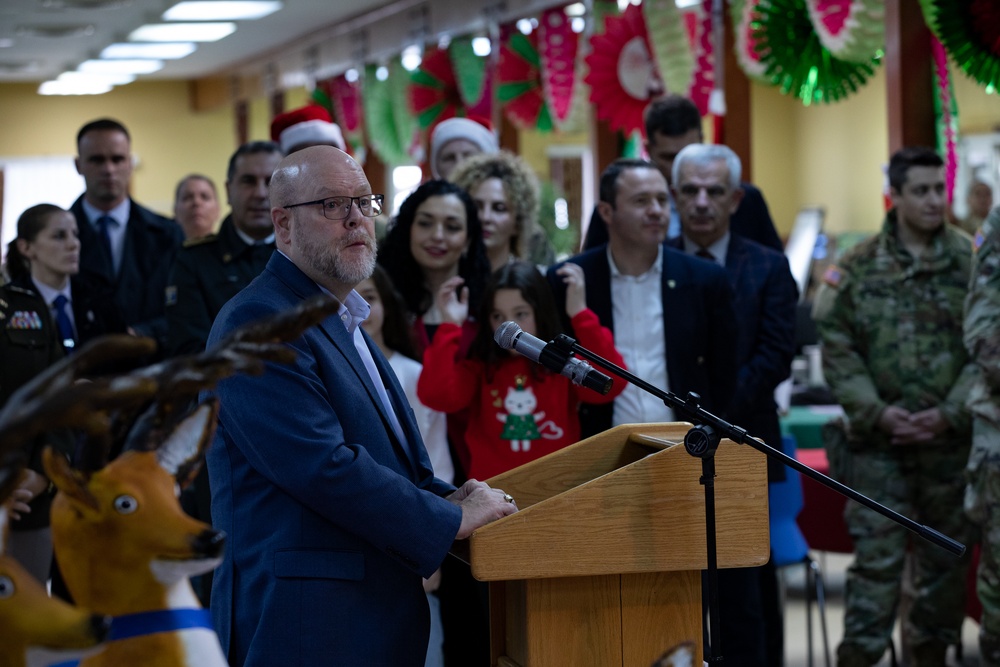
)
(311, 132)
(460, 128)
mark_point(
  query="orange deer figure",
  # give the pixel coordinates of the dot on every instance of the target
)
(126, 548)
(35, 629)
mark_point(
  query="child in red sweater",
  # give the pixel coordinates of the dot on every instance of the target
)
(518, 410)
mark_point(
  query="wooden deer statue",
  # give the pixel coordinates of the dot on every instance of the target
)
(124, 545)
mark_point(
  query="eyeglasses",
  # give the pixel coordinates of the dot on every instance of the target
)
(338, 208)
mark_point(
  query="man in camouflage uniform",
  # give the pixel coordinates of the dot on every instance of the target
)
(982, 499)
(890, 319)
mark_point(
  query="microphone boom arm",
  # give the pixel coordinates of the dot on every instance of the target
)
(691, 408)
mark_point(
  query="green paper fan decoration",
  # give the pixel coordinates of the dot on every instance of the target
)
(970, 32)
(380, 119)
(796, 61)
(470, 71)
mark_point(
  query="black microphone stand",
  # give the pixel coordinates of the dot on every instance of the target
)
(702, 440)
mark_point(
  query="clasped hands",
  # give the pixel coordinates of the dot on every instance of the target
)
(911, 428)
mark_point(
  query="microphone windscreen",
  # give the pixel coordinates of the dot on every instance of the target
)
(506, 334)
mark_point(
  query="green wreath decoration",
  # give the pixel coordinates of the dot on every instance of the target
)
(970, 32)
(796, 61)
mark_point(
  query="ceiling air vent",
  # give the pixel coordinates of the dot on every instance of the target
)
(84, 4)
(54, 31)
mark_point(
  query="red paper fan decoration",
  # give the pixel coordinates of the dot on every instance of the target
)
(559, 46)
(345, 98)
(434, 94)
(519, 83)
(623, 76)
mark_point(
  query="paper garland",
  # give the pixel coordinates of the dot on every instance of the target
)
(946, 116)
(473, 77)
(970, 32)
(623, 77)
(392, 130)
(519, 83)
(852, 30)
(797, 63)
(744, 15)
(345, 100)
(561, 69)
(704, 70)
(671, 45)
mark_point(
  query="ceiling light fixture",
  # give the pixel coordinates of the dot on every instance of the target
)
(182, 32)
(73, 88)
(120, 66)
(221, 11)
(112, 79)
(153, 50)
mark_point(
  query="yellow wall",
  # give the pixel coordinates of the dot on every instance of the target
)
(822, 155)
(168, 139)
(978, 112)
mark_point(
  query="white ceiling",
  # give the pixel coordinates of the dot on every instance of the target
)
(93, 24)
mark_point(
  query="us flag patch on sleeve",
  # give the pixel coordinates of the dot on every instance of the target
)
(832, 276)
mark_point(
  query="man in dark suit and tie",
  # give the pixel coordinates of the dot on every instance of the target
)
(319, 475)
(706, 191)
(671, 123)
(671, 314)
(121, 242)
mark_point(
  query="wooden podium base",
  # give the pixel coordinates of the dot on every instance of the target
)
(626, 620)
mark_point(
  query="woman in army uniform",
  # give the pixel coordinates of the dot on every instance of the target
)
(46, 244)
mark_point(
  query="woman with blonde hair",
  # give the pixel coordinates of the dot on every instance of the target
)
(505, 191)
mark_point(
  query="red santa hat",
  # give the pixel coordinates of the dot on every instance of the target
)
(310, 125)
(477, 130)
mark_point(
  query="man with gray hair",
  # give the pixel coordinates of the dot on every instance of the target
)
(707, 191)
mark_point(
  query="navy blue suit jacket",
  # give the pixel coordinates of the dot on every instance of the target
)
(766, 299)
(331, 520)
(698, 321)
(151, 244)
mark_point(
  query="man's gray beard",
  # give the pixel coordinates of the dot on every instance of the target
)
(328, 263)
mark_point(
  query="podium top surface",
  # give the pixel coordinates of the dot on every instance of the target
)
(627, 500)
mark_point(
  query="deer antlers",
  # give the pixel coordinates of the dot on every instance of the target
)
(107, 407)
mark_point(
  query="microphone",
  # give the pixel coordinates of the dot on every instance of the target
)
(509, 336)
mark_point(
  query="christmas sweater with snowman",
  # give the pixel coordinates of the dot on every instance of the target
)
(518, 412)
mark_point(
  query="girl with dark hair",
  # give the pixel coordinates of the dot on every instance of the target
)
(518, 411)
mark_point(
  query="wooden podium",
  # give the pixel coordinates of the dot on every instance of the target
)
(601, 565)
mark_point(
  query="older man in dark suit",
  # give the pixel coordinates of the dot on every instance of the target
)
(319, 475)
(121, 242)
(707, 190)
